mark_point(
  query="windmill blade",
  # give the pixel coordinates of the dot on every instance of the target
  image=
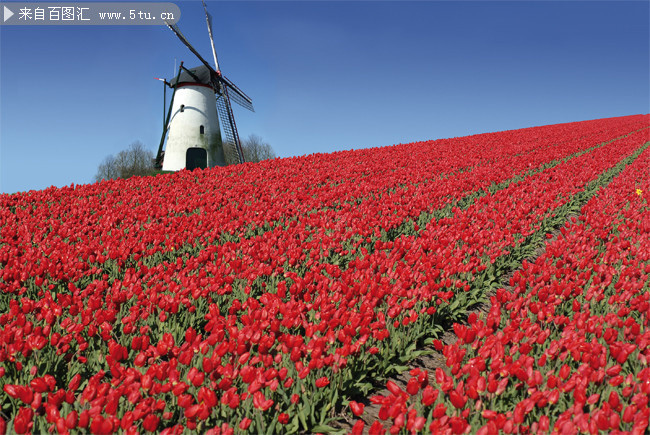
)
(164, 82)
(174, 28)
(236, 95)
(208, 19)
(242, 102)
(230, 137)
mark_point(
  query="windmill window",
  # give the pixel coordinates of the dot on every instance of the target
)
(182, 107)
(201, 130)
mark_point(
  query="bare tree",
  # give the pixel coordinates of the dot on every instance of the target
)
(256, 149)
(107, 169)
(136, 160)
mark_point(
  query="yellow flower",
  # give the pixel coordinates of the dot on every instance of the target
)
(639, 192)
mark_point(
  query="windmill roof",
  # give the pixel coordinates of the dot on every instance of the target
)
(201, 72)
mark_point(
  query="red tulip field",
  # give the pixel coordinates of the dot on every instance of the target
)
(284, 296)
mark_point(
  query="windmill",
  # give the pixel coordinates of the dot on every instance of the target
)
(200, 129)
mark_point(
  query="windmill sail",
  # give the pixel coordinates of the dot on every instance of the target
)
(208, 19)
(174, 28)
(230, 138)
(236, 95)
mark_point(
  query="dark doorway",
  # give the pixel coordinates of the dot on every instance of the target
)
(196, 158)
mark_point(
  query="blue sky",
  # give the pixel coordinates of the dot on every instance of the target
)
(323, 76)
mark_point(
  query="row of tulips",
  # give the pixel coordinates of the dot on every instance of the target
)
(249, 334)
(564, 348)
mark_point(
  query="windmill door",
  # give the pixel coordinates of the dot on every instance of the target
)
(196, 158)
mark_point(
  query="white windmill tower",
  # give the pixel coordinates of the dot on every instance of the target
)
(194, 120)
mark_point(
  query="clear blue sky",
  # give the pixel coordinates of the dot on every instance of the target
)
(324, 76)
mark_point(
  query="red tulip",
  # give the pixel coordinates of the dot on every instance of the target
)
(456, 399)
(150, 422)
(283, 418)
(357, 429)
(393, 388)
(23, 421)
(71, 420)
(357, 408)
(245, 423)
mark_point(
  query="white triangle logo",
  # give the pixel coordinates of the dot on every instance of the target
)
(8, 13)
